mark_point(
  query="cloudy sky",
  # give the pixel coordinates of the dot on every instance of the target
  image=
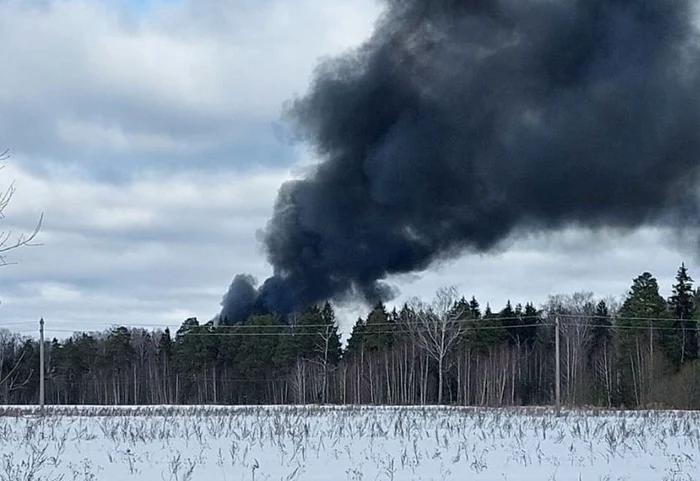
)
(148, 134)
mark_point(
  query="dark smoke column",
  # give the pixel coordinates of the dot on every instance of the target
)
(459, 122)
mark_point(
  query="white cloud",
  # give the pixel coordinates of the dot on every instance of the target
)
(158, 250)
(177, 80)
(532, 269)
(96, 137)
(140, 252)
(57, 293)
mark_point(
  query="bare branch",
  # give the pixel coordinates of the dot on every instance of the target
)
(7, 241)
(12, 371)
(437, 327)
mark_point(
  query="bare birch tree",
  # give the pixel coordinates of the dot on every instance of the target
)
(577, 311)
(9, 241)
(437, 328)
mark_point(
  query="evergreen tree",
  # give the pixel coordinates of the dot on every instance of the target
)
(315, 336)
(356, 339)
(520, 323)
(164, 355)
(119, 349)
(602, 325)
(120, 353)
(644, 301)
(509, 320)
(474, 310)
(379, 329)
(186, 360)
(485, 332)
(165, 346)
(461, 308)
(190, 324)
(644, 325)
(683, 307)
(599, 358)
(531, 320)
(255, 357)
(329, 339)
(306, 332)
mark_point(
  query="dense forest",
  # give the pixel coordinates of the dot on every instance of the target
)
(640, 351)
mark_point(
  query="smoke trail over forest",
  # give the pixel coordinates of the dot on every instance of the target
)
(458, 122)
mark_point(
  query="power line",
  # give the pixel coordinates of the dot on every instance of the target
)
(413, 331)
(296, 331)
(543, 320)
(402, 328)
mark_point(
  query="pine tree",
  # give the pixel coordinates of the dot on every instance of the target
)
(329, 339)
(683, 307)
(379, 329)
(474, 310)
(164, 355)
(256, 356)
(643, 322)
(644, 301)
(602, 325)
(306, 333)
(599, 355)
(356, 339)
(486, 331)
(531, 320)
(509, 320)
(120, 353)
(187, 360)
(328, 348)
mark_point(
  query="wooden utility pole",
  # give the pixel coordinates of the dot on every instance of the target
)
(557, 372)
(41, 365)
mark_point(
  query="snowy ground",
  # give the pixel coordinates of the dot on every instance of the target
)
(358, 443)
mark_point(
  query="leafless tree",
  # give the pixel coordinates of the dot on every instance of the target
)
(323, 350)
(577, 312)
(11, 381)
(437, 328)
(8, 241)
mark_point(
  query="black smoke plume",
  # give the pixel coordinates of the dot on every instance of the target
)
(459, 122)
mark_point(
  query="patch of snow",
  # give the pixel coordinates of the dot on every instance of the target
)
(299, 443)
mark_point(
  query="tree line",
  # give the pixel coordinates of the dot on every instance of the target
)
(640, 351)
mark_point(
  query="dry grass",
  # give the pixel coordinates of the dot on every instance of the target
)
(292, 443)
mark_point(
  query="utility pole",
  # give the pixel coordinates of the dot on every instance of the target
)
(557, 374)
(41, 365)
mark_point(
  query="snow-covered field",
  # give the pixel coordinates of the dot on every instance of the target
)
(347, 443)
